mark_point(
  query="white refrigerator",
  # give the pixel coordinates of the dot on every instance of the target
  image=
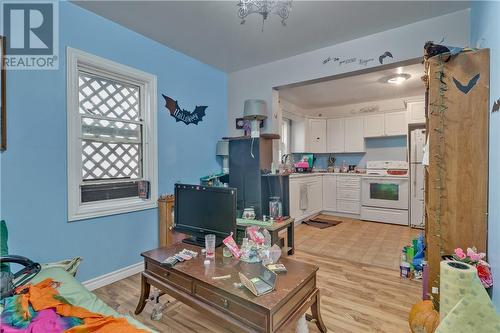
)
(417, 143)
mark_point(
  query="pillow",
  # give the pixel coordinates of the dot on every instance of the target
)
(4, 248)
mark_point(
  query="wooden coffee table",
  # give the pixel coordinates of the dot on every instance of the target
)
(192, 283)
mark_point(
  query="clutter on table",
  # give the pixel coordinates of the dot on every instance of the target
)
(184, 255)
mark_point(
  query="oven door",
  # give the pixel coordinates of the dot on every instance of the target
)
(385, 192)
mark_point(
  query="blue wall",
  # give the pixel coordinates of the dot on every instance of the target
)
(33, 171)
(485, 28)
(377, 149)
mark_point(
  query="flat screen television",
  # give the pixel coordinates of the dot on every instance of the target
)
(201, 210)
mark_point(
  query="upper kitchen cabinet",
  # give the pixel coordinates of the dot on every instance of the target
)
(317, 136)
(335, 135)
(416, 112)
(396, 123)
(374, 126)
(354, 135)
(298, 135)
(387, 124)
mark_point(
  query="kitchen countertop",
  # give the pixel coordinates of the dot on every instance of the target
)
(312, 174)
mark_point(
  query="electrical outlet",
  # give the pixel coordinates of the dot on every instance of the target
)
(435, 290)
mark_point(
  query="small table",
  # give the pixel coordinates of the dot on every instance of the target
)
(192, 283)
(274, 229)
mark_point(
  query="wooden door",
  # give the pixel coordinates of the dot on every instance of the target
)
(456, 199)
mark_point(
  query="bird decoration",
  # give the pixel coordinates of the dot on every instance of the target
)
(187, 117)
(468, 87)
(385, 55)
(496, 106)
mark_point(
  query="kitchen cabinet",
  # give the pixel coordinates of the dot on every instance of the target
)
(374, 126)
(330, 193)
(335, 135)
(354, 135)
(349, 194)
(294, 194)
(314, 195)
(314, 187)
(396, 123)
(416, 112)
(317, 136)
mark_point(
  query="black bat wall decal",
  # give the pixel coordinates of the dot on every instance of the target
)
(496, 106)
(383, 56)
(185, 116)
(472, 82)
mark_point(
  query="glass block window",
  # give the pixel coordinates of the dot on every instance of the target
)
(111, 128)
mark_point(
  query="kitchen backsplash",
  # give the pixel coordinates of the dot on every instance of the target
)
(377, 149)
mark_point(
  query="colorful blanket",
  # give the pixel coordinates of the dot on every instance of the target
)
(39, 308)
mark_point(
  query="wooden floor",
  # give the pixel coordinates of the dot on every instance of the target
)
(361, 290)
(364, 242)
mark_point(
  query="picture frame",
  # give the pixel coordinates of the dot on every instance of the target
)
(3, 95)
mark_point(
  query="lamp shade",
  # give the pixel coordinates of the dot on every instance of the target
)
(255, 109)
(222, 148)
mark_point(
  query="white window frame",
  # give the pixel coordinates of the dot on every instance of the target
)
(76, 59)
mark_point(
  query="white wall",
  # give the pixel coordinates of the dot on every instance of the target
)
(404, 43)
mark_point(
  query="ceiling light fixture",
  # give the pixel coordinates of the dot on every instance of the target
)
(397, 78)
(264, 7)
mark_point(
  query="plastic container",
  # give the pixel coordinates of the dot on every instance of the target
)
(404, 269)
(210, 246)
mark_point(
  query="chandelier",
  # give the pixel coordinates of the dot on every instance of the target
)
(265, 7)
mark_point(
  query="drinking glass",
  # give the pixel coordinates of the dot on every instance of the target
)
(210, 246)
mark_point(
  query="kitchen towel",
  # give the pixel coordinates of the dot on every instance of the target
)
(304, 200)
(465, 306)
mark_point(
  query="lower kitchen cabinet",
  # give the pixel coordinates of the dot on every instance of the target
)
(330, 193)
(313, 203)
(325, 192)
(349, 207)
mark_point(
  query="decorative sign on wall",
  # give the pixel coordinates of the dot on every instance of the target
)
(193, 117)
(360, 61)
(468, 87)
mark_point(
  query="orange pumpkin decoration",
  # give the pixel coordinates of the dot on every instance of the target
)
(423, 317)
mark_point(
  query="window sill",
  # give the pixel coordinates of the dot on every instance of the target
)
(110, 207)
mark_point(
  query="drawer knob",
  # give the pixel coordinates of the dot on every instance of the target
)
(166, 274)
(225, 303)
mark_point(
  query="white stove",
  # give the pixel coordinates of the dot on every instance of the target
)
(385, 168)
(384, 192)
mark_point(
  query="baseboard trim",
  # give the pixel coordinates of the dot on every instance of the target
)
(111, 277)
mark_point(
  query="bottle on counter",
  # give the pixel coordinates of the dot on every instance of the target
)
(344, 166)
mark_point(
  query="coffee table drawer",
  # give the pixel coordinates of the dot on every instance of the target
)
(170, 277)
(242, 312)
(294, 302)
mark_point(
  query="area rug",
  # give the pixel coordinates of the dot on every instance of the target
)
(321, 223)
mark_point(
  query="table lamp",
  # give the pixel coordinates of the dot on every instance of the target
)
(223, 150)
(255, 110)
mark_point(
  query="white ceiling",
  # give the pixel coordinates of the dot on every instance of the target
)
(210, 31)
(356, 89)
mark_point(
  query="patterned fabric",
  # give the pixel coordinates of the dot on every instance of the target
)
(39, 308)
